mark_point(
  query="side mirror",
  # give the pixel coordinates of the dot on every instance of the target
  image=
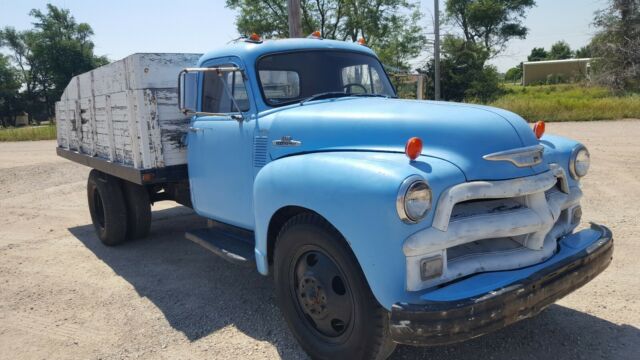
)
(187, 91)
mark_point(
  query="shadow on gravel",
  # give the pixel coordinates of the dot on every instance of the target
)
(200, 293)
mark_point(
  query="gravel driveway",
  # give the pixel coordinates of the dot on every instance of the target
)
(64, 295)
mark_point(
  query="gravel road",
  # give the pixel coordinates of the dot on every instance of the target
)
(64, 295)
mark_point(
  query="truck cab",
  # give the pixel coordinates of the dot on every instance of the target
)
(382, 220)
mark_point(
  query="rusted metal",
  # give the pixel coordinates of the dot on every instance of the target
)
(440, 323)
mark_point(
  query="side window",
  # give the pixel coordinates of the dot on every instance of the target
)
(280, 85)
(215, 99)
(362, 79)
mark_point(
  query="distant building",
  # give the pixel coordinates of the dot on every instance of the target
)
(555, 71)
(22, 119)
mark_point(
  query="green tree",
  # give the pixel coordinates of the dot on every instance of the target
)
(489, 23)
(9, 97)
(538, 54)
(49, 55)
(19, 45)
(464, 74)
(584, 52)
(514, 74)
(560, 50)
(486, 26)
(617, 45)
(390, 27)
(63, 49)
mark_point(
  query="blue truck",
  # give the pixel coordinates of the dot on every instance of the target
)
(381, 220)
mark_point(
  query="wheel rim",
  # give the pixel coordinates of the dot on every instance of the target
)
(99, 208)
(322, 294)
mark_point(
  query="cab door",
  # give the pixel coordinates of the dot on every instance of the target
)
(220, 147)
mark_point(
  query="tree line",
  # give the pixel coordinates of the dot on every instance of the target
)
(614, 50)
(478, 31)
(393, 28)
(41, 62)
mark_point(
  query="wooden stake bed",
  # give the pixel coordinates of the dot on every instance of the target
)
(126, 114)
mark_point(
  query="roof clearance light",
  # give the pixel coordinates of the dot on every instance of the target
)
(538, 129)
(413, 148)
(361, 41)
(255, 38)
(316, 35)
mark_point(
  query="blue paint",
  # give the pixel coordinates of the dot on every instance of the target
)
(219, 157)
(458, 133)
(356, 192)
(350, 164)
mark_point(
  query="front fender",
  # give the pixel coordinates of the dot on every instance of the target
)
(356, 192)
(558, 150)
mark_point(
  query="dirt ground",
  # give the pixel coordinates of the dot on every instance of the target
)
(64, 295)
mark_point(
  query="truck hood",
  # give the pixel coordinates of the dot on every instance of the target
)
(458, 133)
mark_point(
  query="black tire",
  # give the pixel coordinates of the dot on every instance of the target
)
(329, 308)
(136, 198)
(107, 208)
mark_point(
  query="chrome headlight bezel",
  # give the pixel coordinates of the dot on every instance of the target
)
(576, 173)
(411, 184)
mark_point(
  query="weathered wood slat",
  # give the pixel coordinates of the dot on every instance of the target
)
(93, 124)
(109, 122)
(126, 112)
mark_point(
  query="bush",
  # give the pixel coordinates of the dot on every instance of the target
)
(464, 75)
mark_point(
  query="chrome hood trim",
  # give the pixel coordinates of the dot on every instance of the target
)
(520, 157)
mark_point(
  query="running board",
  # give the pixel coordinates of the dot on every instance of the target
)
(232, 244)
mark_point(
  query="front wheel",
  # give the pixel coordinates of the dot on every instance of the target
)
(324, 296)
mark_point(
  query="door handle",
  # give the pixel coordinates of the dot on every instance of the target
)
(194, 129)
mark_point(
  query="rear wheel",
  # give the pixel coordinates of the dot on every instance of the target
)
(107, 208)
(138, 210)
(324, 296)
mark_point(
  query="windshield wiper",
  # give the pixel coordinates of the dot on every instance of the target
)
(371, 95)
(325, 95)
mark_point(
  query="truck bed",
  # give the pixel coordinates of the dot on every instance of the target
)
(123, 117)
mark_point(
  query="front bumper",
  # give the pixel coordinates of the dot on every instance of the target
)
(445, 322)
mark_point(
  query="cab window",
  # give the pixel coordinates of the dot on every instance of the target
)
(215, 99)
(290, 77)
(280, 84)
(362, 79)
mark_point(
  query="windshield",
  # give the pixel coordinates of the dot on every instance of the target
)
(291, 77)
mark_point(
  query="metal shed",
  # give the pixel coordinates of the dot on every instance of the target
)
(541, 71)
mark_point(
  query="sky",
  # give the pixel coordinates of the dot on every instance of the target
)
(123, 27)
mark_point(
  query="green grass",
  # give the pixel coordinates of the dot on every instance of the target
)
(569, 102)
(28, 133)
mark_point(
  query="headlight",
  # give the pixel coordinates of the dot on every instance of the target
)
(414, 199)
(580, 161)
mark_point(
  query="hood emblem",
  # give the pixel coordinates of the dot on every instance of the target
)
(286, 141)
(520, 157)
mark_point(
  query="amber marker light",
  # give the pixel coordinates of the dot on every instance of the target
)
(361, 41)
(538, 129)
(147, 177)
(316, 34)
(413, 148)
(255, 37)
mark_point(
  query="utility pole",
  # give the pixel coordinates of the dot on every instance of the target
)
(295, 26)
(436, 48)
